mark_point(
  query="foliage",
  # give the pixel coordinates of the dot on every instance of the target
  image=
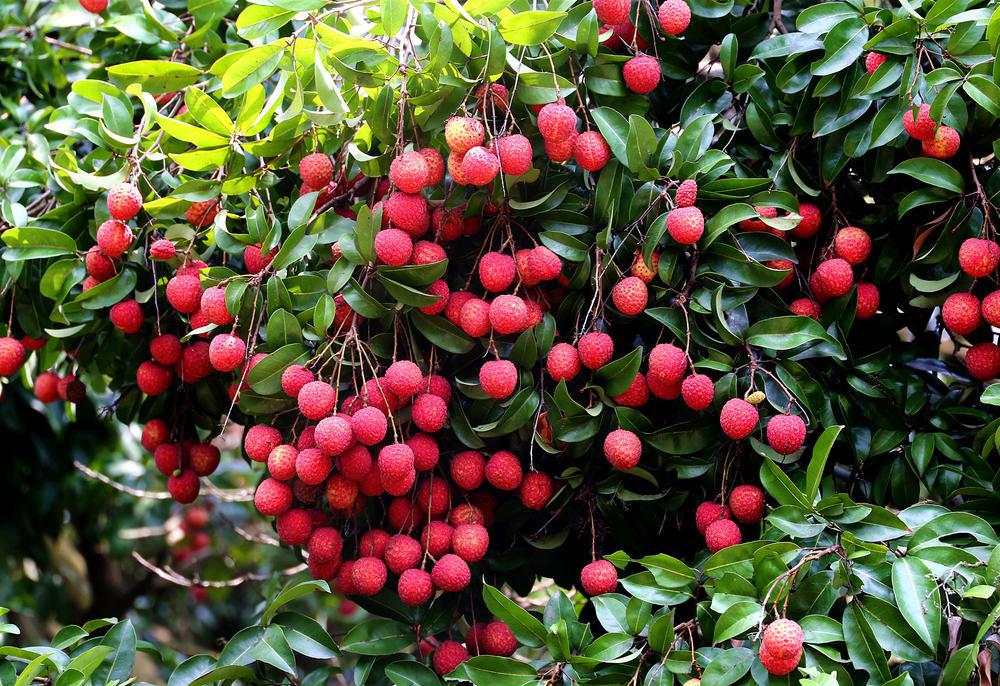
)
(880, 537)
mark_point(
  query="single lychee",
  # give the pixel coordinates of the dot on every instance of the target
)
(556, 122)
(463, 133)
(722, 533)
(738, 418)
(393, 247)
(451, 573)
(124, 201)
(630, 295)
(641, 74)
(922, 127)
(978, 257)
(852, 244)
(498, 378)
(612, 11)
(515, 153)
(596, 349)
(591, 151)
(316, 170)
(983, 361)
(599, 577)
(698, 391)
(409, 172)
(674, 16)
(960, 313)
(127, 316)
(479, 166)
(114, 237)
(622, 449)
(943, 145)
(747, 504)
(503, 470)
(785, 433)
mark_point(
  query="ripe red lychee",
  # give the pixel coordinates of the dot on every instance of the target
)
(852, 244)
(475, 317)
(124, 201)
(556, 122)
(503, 470)
(403, 378)
(708, 512)
(435, 166)
(373, 542)
(46, 387)
(785, 433)
(498, 378)
(644, 271)
(630, 295)
(281, 462)
(978, 257)
(227, 352)
(685, 225)
(757, 224)
(316, 400)
(812, 219)
(641, 74)
(599, 577)
(114, 237)
(983, 361)
(427, 252)
(470, 541)
(832, 279)
(722, 533)
(451, 573)
(294, 527)
(436, 538)
(448, 656)
(514, 152)
(543, 263)
(260, 440)
(687, 193)
(782, 265)
(162, 249)
(536, 490)
(99, 266)
(316, 170)
(202, 213)
(334, 434)
(667, 362)
(154, 433)
(369, 575)
(591, 151)
(167, 458)
(747, 504)
(94, 6)
(455, 170)
(213, 306)
(294, 378)
(868, 301)
(429, 412)
(873, 61)
(738, 418)
(341, 492)
(184, 293)
(596, 349)
(922, 127)
(782, 640)
(497, 271)
(480, 166)
(184, 486)
(395, 464)
(563, 362)
(393, 247)
(325, 544)
(612, 11)
(674, 16)
(153, 379)
(127, 316)
(508, 314)
(497, 639)
(804, 307)
(463, 133)
(943, 145)
(468, 469)
(561, 151)
(409, 172)
(408, 211)
(415, 587)
(698, 391)
(622, 449)
(636, 395)
(991, 308)
(960, 313)
(312, 466)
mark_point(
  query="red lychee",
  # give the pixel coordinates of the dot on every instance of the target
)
(202, 213)
(470, 541)
(852, 244)
(184, 293)
(114, 237)
(124, 201)
(785, 433)
(409, 172)
(960, 313)
(316, 400)
(868, 301)
(812, 219)
(708, 512)
(674, 16)
(497, 271)
(369, 575)
(184, 486)
(536, 490)
(260, 440)
(514, 153)
(641, 74)
(832, 279)
(591, 151)
(630, 295)
(563, 362)
(408, 211)
(599, 577)
(747, 504)
(479, 166)
(983, 361)
(497, 639)
(943, 145)
(451, 573)
(463, 133)
(698, 391)
(227, 352)
(873, 61)
(503, 470)
(153, 379)
(468, 469)
(316, 170)
(498, 378)
(333, 434)
(596, 349)
(622, 449)
(922, 127)
(978, 257)
(435, 166)
(722, 533)
(612, 11)
(738, 418)
(448, 656)
(127, 316)
(556, 122)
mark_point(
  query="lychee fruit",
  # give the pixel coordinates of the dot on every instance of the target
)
(785, 433)
(429, 412)
(463, 133)
(852, 244)
(480, 166)
(781, 646)
(294, 378)
(184, 293)
(644, 271)
(468, 469)
(868, 300)
(514, 152)
(470, 541)
(698, 391)
(636, 395)
(873, 61)
(960, 313)
(435, 166)
(227, 352)
(983, 361)
(503, 470)
(46, 387)
(630, 296)
(409, 172)
(612, 11)
(369, 575)
(738, 418)
(393, 247)
(451, 573)
(127, 316)
(812, 219)
(202, 213)
(556, 122)
(687, 193)
(184, 486)
(124, 202)
(316, 400)
(448, 656)
(622, 449)
(316, 170)
(641, 74)
(536, 490)
(334, 434)
(508, 314)
(563, 362)
(674, 16)
(804, 307)
(922, 127)
(153, 379)
(599, 577)
(708, 512)
(498, 378)
(591, 151)
(746, 502)
(596, 349)
(978, 257)
(497, 639)
(114, 237)
(415, 587)
(943, 145)
(832, 279)
(722, 533)
(497, 271)
(408, 211)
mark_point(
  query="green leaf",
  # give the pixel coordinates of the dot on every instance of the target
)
(117, 666)
(273, 649)
(377, 637)
(487, 670)
(32, 244)
(619, 374)
(305, 635)
(530, 28)
(959, 666)
(728, 667)
(781, 488)
(265, 377)
(862, 647)
(614, 127)
(788, 332)
(918, 598)
(239, 650)
(410, 673)
(155, 76)
(985, 92)
(844, 45)
(441, 332)
(526, 627)
(393, 15)
(207, 112)
(817, 462)
(293, 591)
(736, 620)
(243, 70)
(931, 171)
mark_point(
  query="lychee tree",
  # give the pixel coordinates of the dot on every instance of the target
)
(695, 300)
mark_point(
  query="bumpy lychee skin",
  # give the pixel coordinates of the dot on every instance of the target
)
(213, 306)
(468, 469)
(591, 151)
(687, 193)
(184, 293)
(255, 259)
(124, 201)
(785, 433)
(556, 122)
(991, 308)
(563, 362)
(127, 316)
(630, 296)
(393, 247)
(738, 418)
(515, 154)
(832, 279)
(369, 575)
(435, 166)
(922, 127)
(944, 144)
(463, 133)
(162, 249)
(544, 264)
(978, 257)
(508, 314)
(983, 361)
(852, 244)
(783, 639)
(294, 527)
(99, 266)
(316, 170)
(202, 213)
(409, 172)
(812, 219)
(480, 166)
(260, 440)
(429, 412)
(642, 270)
(503, 470)
(708, 512)
(685, 225)
(778, 667)
(960, 313)
(317, 399)
(721, 534)
(536, 490)
(475, 317)
(641, 74)
(448, 656)
(622, 449)
(497, 271)
(451, 573)
(114, 237)
(599, 577)
(873, 61)
(408, 211)
(747, 504)
(227, 352)
(674, 16)
(667, 362)
(498, 378)
(498, 639)
(868, 301)
(470, 541)
(334, 434)
(612, 11)
(153, 379)
(596, 349)
(281, 462)
(636, 395)
(184, 486)
(294, 378)
(698, 392)
(561, 151)
(804, 307)
(415, 587)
